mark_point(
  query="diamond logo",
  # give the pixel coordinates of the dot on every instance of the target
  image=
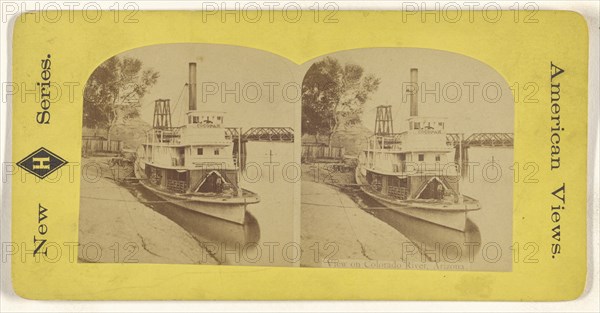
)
(41, 162)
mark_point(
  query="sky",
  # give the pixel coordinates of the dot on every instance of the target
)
(486, 110)
(470, 94)
(258, 99)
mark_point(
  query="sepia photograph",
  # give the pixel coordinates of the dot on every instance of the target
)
(406, 160)
(188, 157)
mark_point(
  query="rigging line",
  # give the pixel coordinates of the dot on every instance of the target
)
(396, 115)
(128, 210)
(339, 195)
(137, 201)
(179, 98)
(176, 103)
(324, 205)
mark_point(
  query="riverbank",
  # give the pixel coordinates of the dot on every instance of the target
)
(334, 227)
(114, 227)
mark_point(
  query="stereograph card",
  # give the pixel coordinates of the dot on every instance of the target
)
(340, 155)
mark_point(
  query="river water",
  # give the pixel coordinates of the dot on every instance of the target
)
(267, 237)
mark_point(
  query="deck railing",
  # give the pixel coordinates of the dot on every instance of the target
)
(167, 135)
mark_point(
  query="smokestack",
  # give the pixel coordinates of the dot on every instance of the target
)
(192, 87)
(414, 96)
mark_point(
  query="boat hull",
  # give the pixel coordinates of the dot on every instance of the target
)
(451, 219)
(452, 215)
(232, 209)
(232, 212)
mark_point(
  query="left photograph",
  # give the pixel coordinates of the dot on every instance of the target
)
(188, 157)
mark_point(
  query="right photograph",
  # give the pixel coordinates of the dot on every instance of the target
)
(407, 162)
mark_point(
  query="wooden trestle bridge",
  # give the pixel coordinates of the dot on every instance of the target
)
(481, 140)
(284, 134)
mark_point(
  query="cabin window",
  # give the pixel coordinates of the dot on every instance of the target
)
(437, 157)
(217, 151)
(218, 118)
(417, 125)
(200, 151)
(196, 120)
(421, 157)
(441, 125)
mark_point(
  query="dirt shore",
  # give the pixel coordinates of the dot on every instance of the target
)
(335, 225)
(114, 227)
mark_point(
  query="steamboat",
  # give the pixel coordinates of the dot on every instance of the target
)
(410, 172)
(194, 165)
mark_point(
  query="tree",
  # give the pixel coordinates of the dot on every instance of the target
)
(113, 91)
(333, 96)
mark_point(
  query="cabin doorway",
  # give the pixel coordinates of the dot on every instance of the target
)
(434, 189)
(214, 182)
